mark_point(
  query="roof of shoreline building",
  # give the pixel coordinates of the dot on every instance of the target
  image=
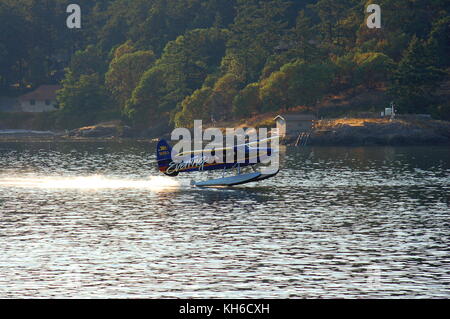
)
(43, 92)
(296, 117)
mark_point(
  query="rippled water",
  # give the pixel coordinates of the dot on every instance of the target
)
(97, 220)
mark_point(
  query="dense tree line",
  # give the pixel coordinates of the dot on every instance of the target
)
(157, 60)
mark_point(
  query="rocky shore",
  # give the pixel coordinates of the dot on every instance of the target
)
(106, 130)
(353, 132)
(339, 132)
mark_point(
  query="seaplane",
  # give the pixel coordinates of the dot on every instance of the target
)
(250, 155)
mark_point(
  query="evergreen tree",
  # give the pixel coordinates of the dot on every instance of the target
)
(247, 102)
(82, 100)
(416, 79)
(125, 72)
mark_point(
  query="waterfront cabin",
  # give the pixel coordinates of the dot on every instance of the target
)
(290, 125)
(43, 99)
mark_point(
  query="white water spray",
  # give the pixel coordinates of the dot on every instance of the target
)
(94, 182)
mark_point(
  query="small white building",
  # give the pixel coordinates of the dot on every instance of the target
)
(387, 112)
(43, 99)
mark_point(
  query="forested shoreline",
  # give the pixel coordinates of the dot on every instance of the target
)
(159, 62)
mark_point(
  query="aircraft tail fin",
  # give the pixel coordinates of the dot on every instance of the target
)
(163, 155)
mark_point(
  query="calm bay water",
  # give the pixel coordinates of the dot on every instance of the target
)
(98, 220)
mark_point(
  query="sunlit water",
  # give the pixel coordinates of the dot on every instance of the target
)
(98, 220)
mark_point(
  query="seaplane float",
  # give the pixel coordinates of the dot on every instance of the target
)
(250, 155)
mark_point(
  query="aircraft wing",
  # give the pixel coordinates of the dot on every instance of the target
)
(225, 148)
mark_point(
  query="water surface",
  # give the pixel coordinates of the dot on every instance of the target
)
(97, 220)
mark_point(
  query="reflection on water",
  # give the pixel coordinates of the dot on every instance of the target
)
(97, 220)
(154, 183)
